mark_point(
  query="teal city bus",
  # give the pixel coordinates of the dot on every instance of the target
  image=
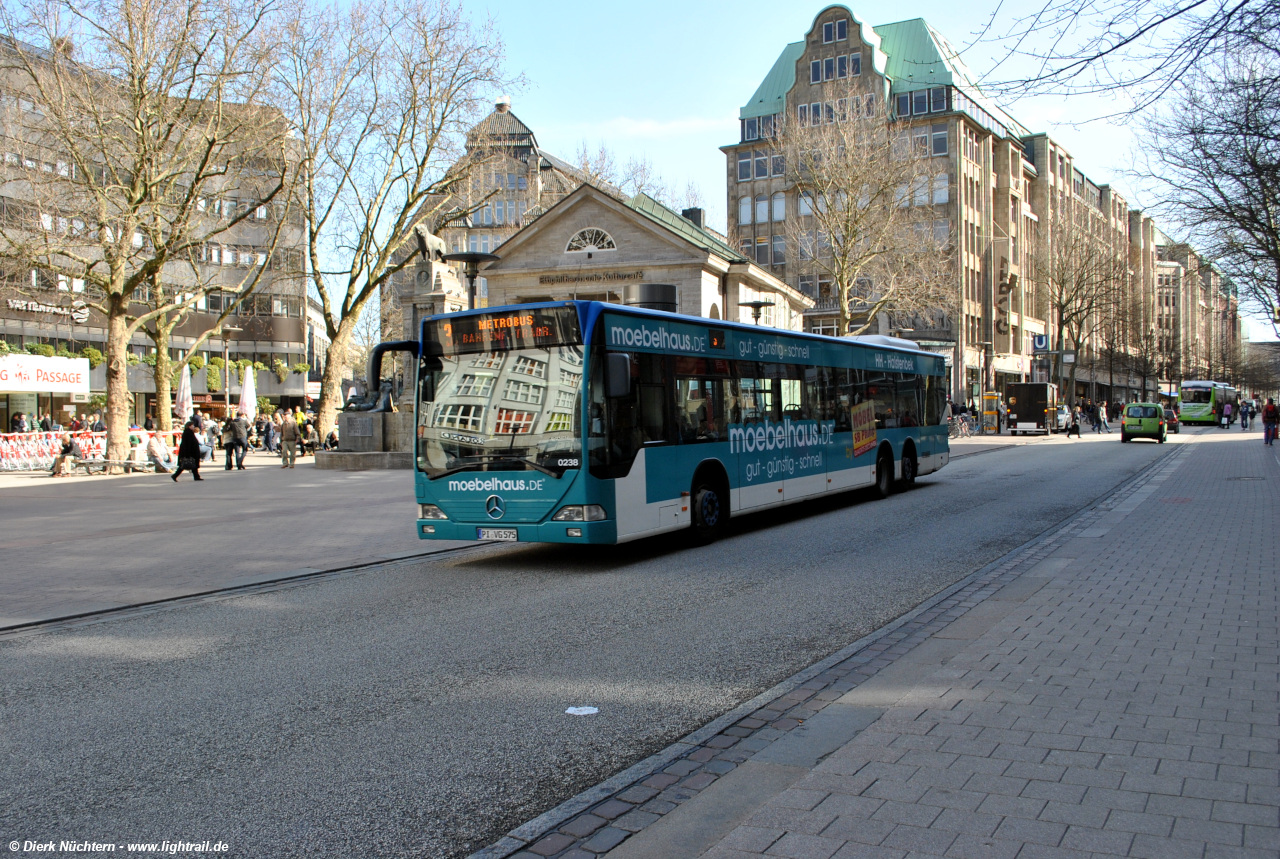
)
(584, 422)
(1200, 402)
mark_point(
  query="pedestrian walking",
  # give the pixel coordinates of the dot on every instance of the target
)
(289, 437)
(1226, 415)
(1102, 417)
(189, 454)
(1270, 418)
(1074, 426)
(1244, 417)
(235, 440)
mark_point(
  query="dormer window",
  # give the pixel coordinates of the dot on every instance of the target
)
(835, 31)
(590, 239)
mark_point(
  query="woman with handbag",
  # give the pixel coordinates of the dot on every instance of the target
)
(188, 453)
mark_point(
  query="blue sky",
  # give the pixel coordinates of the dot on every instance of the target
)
(663, 80)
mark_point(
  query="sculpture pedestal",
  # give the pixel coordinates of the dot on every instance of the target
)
(369, 440)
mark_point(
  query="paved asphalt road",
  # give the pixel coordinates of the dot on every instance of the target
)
(418, 708)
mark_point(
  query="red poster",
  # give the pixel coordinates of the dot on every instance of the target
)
(863, 417)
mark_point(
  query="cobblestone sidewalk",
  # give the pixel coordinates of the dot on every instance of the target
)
(1110, 689)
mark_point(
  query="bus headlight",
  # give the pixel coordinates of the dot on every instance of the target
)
(430, 511)
(579, 513)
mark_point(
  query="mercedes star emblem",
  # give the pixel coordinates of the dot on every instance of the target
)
(494, 506)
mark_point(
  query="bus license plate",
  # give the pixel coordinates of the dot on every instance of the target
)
(507, 535)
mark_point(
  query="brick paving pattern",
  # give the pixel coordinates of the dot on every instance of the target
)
(1129, 709)
(1131, 689)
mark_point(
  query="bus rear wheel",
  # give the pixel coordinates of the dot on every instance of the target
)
(710, 511)
(884, 475)
(910, 469)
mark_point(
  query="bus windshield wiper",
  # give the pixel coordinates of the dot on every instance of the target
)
(495, 459)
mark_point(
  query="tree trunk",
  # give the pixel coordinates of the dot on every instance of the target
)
(163, 375)
(335, 360)
(117, 380)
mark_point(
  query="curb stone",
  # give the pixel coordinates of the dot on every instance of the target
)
(601, 817)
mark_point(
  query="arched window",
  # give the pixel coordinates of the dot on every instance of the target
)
(762, 209)
(744, 210)
(779, 206)
(590, 239)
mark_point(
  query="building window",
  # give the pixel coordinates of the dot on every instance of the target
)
(766, 126)
(570, 379)
(564, 399)
(488, 360)
(920, 102)
(762, 164)
(869, 104)
(530, 367)
(523, 392)
(828, 32)
(750, 129)
(842, 29)
(815, 113)
(806, 285)
(855, 65)
(762, 209)
(459, 416)
(831, 112)
(815, 71)
(779, 250)
(744, 165)
(559, 422)
(762, 250)
(779, 206)
(939, 139)
(744, 210)
(842, 66)
(802, 114)
(513, 422)
(806, 204)
(744, 247)
(904, 105)
(778, 165)
(842, 109)
(941, 189)
(938, 99)
(829, 69)
(475, 386)
(590, 239)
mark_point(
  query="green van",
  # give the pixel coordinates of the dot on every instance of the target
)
(1144, 420)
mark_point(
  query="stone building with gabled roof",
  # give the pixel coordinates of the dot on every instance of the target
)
(592, 244)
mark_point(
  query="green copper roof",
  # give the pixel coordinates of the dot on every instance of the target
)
(655, 211)
(771, 96)
(920, 58)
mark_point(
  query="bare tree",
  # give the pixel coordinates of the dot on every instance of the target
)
(1076, 280)
(871, 223)
(636, 176)
(1217, 165)
(133, 116)
(380, 94)
(1138, 49)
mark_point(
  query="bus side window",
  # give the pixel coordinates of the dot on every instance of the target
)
(935, 400)
(880, 390)
(909, 407)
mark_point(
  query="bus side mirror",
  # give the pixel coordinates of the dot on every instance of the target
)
(618, 375)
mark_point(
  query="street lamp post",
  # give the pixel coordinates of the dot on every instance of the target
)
(756, 307)
(226, 366)
(471, 261)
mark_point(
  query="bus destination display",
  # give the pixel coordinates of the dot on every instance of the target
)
(548, 326)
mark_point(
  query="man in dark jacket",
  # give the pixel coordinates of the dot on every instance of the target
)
(238, 430)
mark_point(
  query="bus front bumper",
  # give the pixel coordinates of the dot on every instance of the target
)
(546, 532)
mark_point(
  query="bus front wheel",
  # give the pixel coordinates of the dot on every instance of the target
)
(710, 511)
(884, 475)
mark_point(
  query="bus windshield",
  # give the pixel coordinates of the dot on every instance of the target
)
(501, 392)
